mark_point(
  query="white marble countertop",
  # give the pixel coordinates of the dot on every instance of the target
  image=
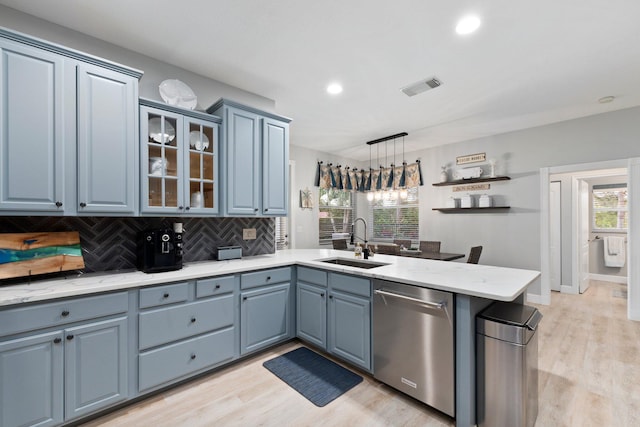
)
(497, 283)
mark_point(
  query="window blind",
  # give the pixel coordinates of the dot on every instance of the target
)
(610, 207)
(282, 230)
(335, 213)
(395, 218)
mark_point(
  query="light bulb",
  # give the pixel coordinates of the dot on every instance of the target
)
(385, 195)
(378, 195)
(393, 195)
(370, 196)
(404, 194)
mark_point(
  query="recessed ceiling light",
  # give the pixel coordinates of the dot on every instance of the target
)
(467, 25)
(334, 88)
(606, 99)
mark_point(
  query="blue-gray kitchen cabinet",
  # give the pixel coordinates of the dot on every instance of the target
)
(63, 359)
(311, 306)
(179, 160)
(255, 160)
(32, 387)
(96, 366)
(68, 131)
(349, 319)
(265, 309)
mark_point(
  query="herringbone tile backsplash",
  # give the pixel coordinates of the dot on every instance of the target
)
(110, 243)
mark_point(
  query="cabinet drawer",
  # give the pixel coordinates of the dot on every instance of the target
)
(16, 320)
(311, 275)
(350, 284)
(265, 277)
(169, 324)
(163, 295)
(215, 286)
(168, 363)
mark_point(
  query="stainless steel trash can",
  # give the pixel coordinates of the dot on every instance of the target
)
(507, 365)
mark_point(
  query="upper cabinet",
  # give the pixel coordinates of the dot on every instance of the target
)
(255, 160)
(179, 160)
(62, 111)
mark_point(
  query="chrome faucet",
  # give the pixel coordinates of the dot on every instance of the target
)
(366, 247)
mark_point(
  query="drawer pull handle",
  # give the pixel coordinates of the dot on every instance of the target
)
(57, 341)
(268, 278)
(193, 320)
(69, 337)
(193, 356)
(65, 313)
(217, 286)
(166, 295)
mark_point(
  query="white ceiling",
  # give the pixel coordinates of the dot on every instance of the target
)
(529, 64)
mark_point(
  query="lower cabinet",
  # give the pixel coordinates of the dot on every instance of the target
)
(183, 331)
(60, 375)
(265, 309)
(334, 313)
(32, 385)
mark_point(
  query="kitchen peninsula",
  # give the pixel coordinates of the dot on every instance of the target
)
(136, 298)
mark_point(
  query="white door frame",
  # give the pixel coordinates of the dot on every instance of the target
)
(555, 239)
(633, 256)
(580, 222)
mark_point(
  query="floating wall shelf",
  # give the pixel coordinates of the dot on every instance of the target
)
(469, 210)
(470, 181)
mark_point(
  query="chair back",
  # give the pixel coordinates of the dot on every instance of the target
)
(429, 246)
(474, 255)
(406, 243)
(388, 249)
(339, 243)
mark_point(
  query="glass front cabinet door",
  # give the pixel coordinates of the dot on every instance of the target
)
(179, 158)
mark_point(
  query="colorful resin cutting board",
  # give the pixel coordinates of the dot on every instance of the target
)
(27, 254)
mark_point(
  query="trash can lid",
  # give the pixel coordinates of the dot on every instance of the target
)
(508, 313)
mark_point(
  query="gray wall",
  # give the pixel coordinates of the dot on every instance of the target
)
(207, 90)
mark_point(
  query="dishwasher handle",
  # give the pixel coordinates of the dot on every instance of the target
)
(437, 305)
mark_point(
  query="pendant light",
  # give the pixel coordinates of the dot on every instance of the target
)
(404, 193)
(367, 187)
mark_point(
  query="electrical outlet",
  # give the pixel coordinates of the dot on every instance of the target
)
(248, 234)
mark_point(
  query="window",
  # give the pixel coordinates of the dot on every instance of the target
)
(282, 238)
(395, 218)
(335, 213)
(610, 207)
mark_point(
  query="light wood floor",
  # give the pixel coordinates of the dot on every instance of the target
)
(589, 376)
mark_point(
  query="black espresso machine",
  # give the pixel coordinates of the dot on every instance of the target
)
(159, 250)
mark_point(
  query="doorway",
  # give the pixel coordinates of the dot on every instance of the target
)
(577, 277)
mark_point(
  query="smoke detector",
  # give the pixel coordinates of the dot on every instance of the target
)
(421, 86)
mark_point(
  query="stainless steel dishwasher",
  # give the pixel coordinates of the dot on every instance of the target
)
(413, 342)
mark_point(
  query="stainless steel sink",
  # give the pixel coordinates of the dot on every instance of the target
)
(353, 262)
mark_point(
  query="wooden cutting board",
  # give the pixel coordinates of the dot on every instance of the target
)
(27, 254)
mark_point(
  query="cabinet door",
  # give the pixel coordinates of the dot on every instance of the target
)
(265, 317)
(201, 190)
(96, 366)
(311, 314)
(107, 141)
(275, 167)
(31, 388)
(243, 166)
(350, 328)
(32, 124)
(161, 161)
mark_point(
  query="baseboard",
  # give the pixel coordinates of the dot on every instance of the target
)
(608, 278)
(538, 299)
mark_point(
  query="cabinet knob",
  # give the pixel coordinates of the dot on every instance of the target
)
(187, 208)
(69, 337)
(57, 340)
(322, 295)
(244, 298)
(268, 278)
(180, 207)
(330, 296)
(255, 210)
(65, 313)
(83, 205)
(266, 210)
(58, 204)
(193, 356)
(193, 320)
(166, 295)
(217, 286)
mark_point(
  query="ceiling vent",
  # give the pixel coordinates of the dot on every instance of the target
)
(421, 86)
